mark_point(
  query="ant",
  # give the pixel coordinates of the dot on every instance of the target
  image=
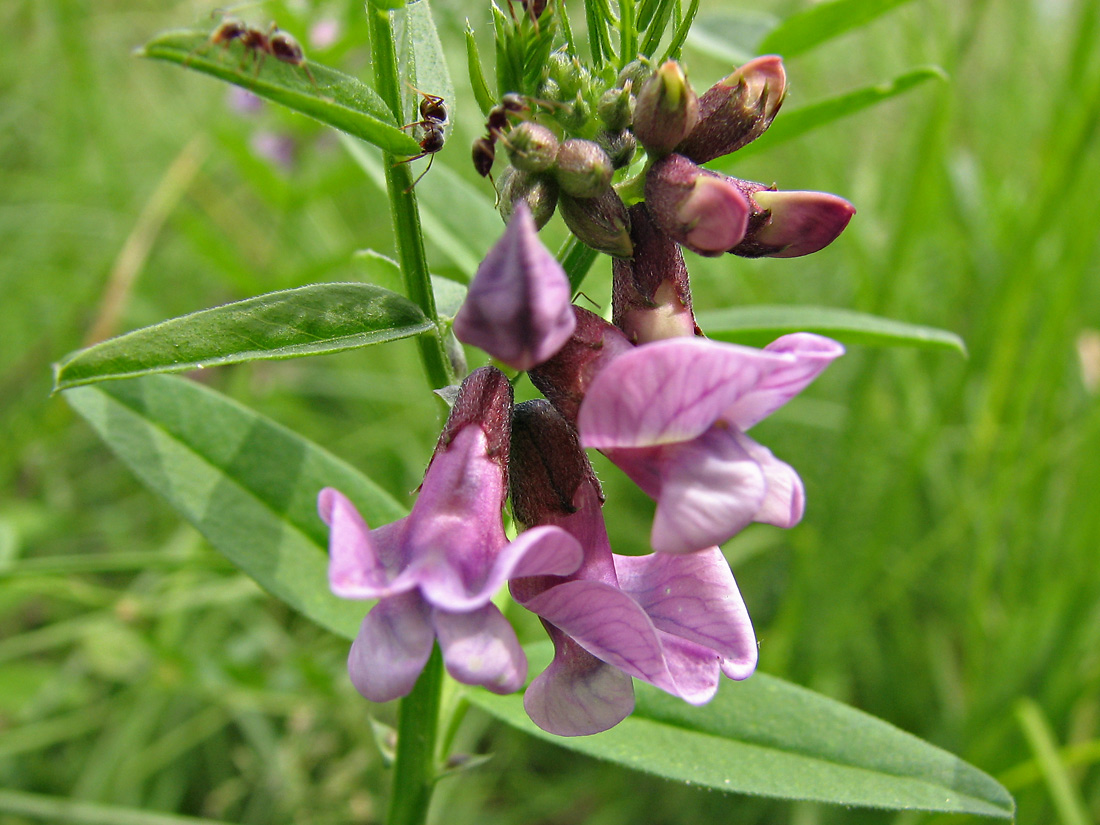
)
(484, 152)
(259, 44)
(433, 117)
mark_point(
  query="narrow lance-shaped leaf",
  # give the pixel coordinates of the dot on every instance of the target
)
(758, 325)
(310, 320)
(797, 122)
(478, 83)
(820, 22)
(424, 65)
(246, 483)
(768, 737)
(331, 97)
(676, 46)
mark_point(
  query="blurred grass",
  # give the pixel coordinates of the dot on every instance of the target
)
(947, 571)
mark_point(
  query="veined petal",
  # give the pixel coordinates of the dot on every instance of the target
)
(785, 500)
(541, 551)
(611, 626)
(363, 563)
(480, 648)
(711, 489)
(577, 694)
(671, 391)
(695, 597)
(392, 647)
(806, 357)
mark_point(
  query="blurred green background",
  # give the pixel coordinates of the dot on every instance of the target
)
(946, 576)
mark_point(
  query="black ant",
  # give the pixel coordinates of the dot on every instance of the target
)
(484, 152)
(433, 117)
(259, 44)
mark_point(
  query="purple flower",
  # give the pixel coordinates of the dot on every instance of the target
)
(677, 622)
(518, 308)
(435, 571)
(673, 415)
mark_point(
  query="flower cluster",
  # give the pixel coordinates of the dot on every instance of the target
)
(669, 407)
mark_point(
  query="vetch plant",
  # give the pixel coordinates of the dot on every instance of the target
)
(610, 134)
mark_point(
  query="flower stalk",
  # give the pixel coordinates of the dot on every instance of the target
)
(403, 208)
(414, 767)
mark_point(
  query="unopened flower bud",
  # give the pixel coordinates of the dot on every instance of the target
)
(518, 307)
(532, 147)
(620, 146)
(667, 110)
(703, 211)
(568, 73)
(583, 169)
(564, 379)
(737, 110)
(484, 400)
(791, 224)
(548, 464)
(635, 73)
(650, 292)
(601, 222)
(539, 193)
(616, 108)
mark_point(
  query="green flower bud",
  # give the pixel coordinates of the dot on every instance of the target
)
(583, 169)
(539, 192)
(616, 109)
(620, 146)
(532, 147)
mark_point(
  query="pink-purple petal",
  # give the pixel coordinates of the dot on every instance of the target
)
(693, 596)
(611, 626)
(480, 648)
(711, 488)
(577, 694)
(392, 647)
(357, 554)
(805, 357)
(669, 391)
(785, 500)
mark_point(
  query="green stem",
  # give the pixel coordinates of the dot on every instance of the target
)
(403, 208)
(576, 259)
(414, 768)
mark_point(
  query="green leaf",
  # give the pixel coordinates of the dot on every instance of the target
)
(768, 737)
(246, 483)
(681, 33)
(386, 272)
(337, 99)
(820, 22)
(480, 85)
(310, 320)
(425, 66)
(793, 124)
(757, 325)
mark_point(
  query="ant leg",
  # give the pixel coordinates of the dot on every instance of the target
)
(431, 160)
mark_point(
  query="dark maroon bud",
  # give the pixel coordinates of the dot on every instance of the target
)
(650, 293)
(790, 224)
(704, 211)
(566, 377)
(601, 222)
(667, 110)
(548, 464)
(485, 400)
(737, 110)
